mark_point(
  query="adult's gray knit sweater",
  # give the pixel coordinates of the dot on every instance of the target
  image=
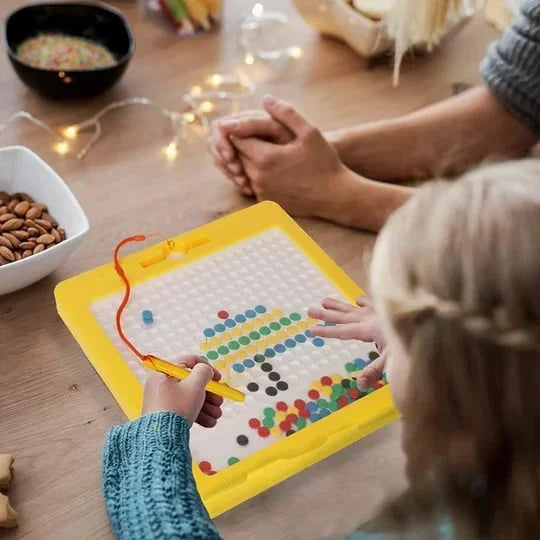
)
(511, 70)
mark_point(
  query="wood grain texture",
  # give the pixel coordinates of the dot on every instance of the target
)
(54, 409)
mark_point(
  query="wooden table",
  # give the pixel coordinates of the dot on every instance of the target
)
(54, 409)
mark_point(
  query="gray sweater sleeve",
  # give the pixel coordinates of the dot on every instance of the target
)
(511, 70)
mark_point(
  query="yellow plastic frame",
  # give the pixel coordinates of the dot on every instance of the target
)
(284, 458)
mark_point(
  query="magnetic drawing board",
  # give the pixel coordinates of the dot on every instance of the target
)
(237, 292)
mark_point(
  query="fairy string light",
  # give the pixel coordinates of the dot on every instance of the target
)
(196, 107)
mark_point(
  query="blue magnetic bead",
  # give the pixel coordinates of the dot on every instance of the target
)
(269, 353)
(238, 368)
(229, 323)
(208, 332)
(290, 343)
(219, 328)
(300, 338)
(318, 342)
(359, 363)
(308, 334)
(324, 412)
(240, 319)
(147, 316)
(250, 314)
(311, 406)
(315, 417)
(279, 348)
(249, 363)
(260, 309)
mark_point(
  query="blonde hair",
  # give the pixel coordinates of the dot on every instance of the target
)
(456, 277)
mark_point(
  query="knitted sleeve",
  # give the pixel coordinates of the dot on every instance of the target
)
(148, 483)
(511, 69)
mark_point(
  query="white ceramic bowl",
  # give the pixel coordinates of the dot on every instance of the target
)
(23, 171)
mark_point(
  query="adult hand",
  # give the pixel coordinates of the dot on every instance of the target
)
(350, 322)
(187, 398)
(304, 175)
(242, 125)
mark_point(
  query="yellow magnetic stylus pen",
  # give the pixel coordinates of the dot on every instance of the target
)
(220, 389)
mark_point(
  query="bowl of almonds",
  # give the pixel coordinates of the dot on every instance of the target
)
(41, 222)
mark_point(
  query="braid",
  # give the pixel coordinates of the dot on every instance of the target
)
(494, 327)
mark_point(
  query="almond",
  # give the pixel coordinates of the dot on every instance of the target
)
(49, 218)
(41, 229)
(12, 224)
(27, 245)
(12, 238)
(43, 223)
(3, 261)
(27, 253)
(13, 203)
(62, 232)
(3, 210)
(33, 212)
(29, 223)
(45, 239)
(18, 256)
(57, 236)
(38, 248)
(5, 242)
(41, 206)
(5, 197)
(7, 217)
(22, 208)
(7, 253)
(21, 235)
(32, 231)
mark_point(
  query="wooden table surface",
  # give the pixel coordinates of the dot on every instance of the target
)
(54, 409)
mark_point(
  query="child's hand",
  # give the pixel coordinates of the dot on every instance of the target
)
(353, 323)
(187, 398)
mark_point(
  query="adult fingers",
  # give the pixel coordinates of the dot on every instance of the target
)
(263, 127)
(251, 148)
(285, 113)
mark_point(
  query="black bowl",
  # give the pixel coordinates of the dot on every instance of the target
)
(97, 22)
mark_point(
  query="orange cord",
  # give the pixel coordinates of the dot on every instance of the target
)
(127, 293)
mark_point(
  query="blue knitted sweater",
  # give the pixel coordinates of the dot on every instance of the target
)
(149, 489)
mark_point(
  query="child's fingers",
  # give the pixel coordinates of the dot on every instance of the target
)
(332, 316)
(206, 420)
(189, 360)
(364, 301)
(372, 372)
(341, 331)
(211, 410)
(338, 305)
(214, 399)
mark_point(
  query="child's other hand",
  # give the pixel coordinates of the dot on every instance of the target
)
(187, 398)
(350, 322)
